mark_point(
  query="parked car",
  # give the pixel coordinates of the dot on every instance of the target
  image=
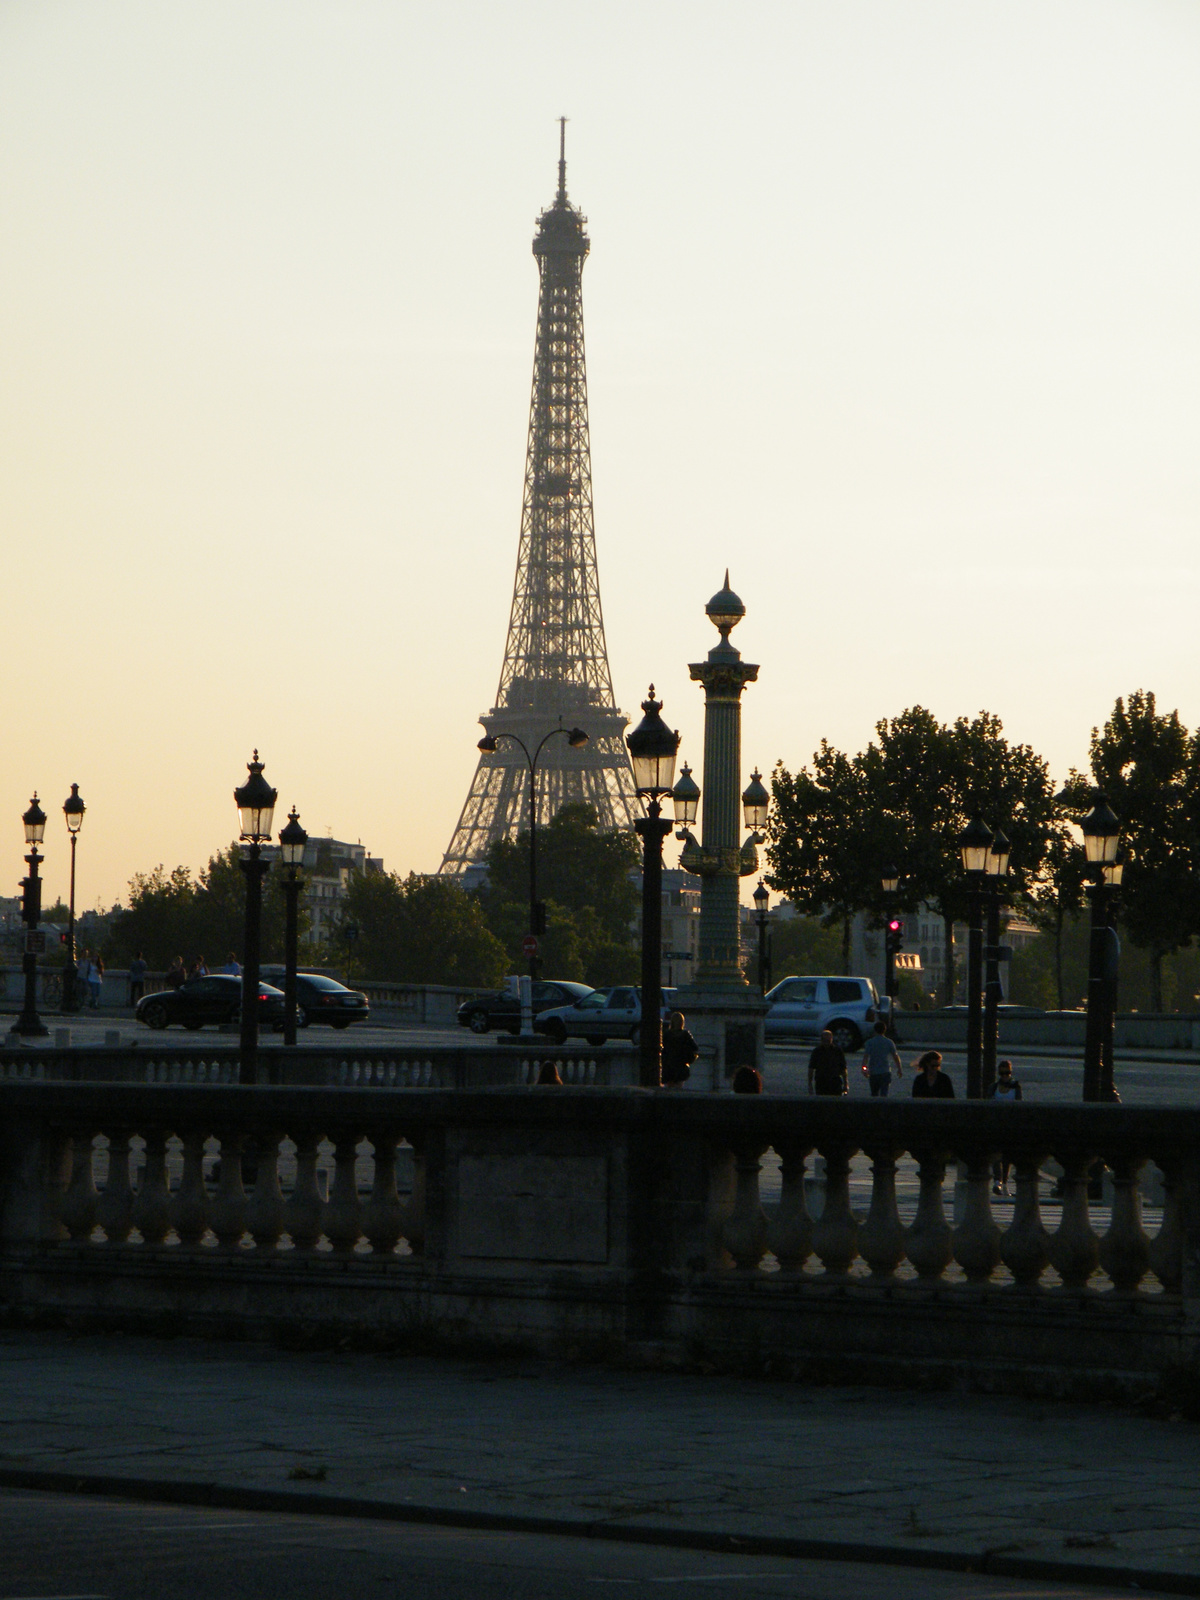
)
(613, 1013)
(804, 1007)
(483, 1012)
(216, 999)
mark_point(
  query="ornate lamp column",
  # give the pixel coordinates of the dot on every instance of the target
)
(728, 1011)
(1101, 840)
(29, 1023)
(997, 868)
(761, 899)
(974, 843)
(292, 840)
(652, 750)
(73, 809)
(255, 801)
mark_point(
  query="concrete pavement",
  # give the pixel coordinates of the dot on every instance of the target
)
(964, 1482)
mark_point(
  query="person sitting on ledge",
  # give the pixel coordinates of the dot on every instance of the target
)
(929, 1081)
(679, 1050)
(548, 1074)
(747, 1080)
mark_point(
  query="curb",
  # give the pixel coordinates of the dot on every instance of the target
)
(230, 1497)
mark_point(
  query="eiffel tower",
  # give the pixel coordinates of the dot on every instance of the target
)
(555, 670)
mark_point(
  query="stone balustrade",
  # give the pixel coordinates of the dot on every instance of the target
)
(818, 1235)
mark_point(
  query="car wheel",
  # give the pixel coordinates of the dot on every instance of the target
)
(341, 1022)
(302, 1017)
(635, 1035)
(478, 1022)
(193, 1024)
(556, 1029)
(595, 1038)
(155, 1016)
(845, 1035)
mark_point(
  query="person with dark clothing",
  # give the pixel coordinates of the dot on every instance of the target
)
(880, 1060)
(679, 1050)
(175, 974)
(827, 1068)
(747, 1080)
(1007, 1090)
(929, 1081)
(137, 978)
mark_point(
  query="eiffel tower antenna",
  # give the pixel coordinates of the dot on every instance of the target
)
(555, 668)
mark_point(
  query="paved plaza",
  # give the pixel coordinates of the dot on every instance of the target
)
(667, 1456)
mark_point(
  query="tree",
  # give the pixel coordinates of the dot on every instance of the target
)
(174, 914)
(1149, 768)
(420, 930)
(1056, 897)
(587, 879)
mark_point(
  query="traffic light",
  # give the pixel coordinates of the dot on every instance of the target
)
(895, 936)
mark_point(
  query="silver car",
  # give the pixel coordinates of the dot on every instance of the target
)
(801, 1008)
(613, 1013)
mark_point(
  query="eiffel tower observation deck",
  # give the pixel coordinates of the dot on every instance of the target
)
(555, 662)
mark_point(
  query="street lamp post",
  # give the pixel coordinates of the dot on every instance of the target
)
(891, 883)
(652, 750)
(1113, 873)
(292, 840)
(489, 744)
(73, 809)
(29, 1023)
(1101, 840)
(761, 897)
(974, 843)
(255, 801)
(997, 869)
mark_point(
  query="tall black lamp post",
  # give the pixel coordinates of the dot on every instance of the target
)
(73, 809)
(997, 869)
(891, 937)
(761, 898)
(255, 801)
(292, 839)
(489, 744)
(974, 843)
(1101, 840)
(652, 750)
(29, 1022)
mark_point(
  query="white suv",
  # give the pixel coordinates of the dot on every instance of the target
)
(804, 1007)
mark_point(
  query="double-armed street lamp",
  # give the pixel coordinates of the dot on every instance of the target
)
(29, 1023)
(255, 800)
(761, 898)
(292, 839)
(489, 744)
(974, 844)
(1101, 842)
(653, 748)
(73, 809)
(997, 870)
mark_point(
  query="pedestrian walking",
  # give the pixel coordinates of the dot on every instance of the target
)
(96, 982)
(929, 1081)
(138, 968)
(880, 1060)
(1007, 1090)
(175, 974)
(827, 1068)
(233, 967)
(83, 978)
(679, 1050)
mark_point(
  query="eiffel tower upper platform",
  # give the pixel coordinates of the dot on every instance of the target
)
(555, 662)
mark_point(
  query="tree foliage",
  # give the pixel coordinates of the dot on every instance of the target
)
(585, 876)
(173, 914)
(419, 930)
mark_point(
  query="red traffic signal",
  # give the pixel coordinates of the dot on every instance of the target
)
(894, 925)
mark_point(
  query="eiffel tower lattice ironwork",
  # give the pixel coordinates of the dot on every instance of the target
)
(555, 662)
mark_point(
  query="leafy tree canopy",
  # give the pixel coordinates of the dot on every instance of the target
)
(419, 930)
(173, 914)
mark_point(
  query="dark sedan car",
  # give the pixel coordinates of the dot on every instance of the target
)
(217, 999)
(321, 999)
(482, 1012)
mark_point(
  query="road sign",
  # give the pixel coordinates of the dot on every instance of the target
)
(35, 942)
(529, 945)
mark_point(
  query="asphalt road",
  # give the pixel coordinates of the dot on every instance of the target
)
(63, 1547)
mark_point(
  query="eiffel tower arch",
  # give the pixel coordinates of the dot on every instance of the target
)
(555, 668)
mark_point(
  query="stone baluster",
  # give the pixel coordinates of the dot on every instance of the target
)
(1166, 1247)
(303, 1207)
(57, 1155)
(152, 1208)
(228, 1210)
(342, 1221)
(383, 1215)
(1025, 1247)
(835, 1232)
(929, 1242)
(190, 1208)
(78, 1210)
(264, 1214)
(881, 1237)
(790, 1230)
(744, 1231)
(1074, 1248)
(414, 1211)
(1125, 1249)
(977, 1244)
(114, 1208)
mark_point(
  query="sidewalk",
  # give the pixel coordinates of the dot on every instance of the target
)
(1014, 1487)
